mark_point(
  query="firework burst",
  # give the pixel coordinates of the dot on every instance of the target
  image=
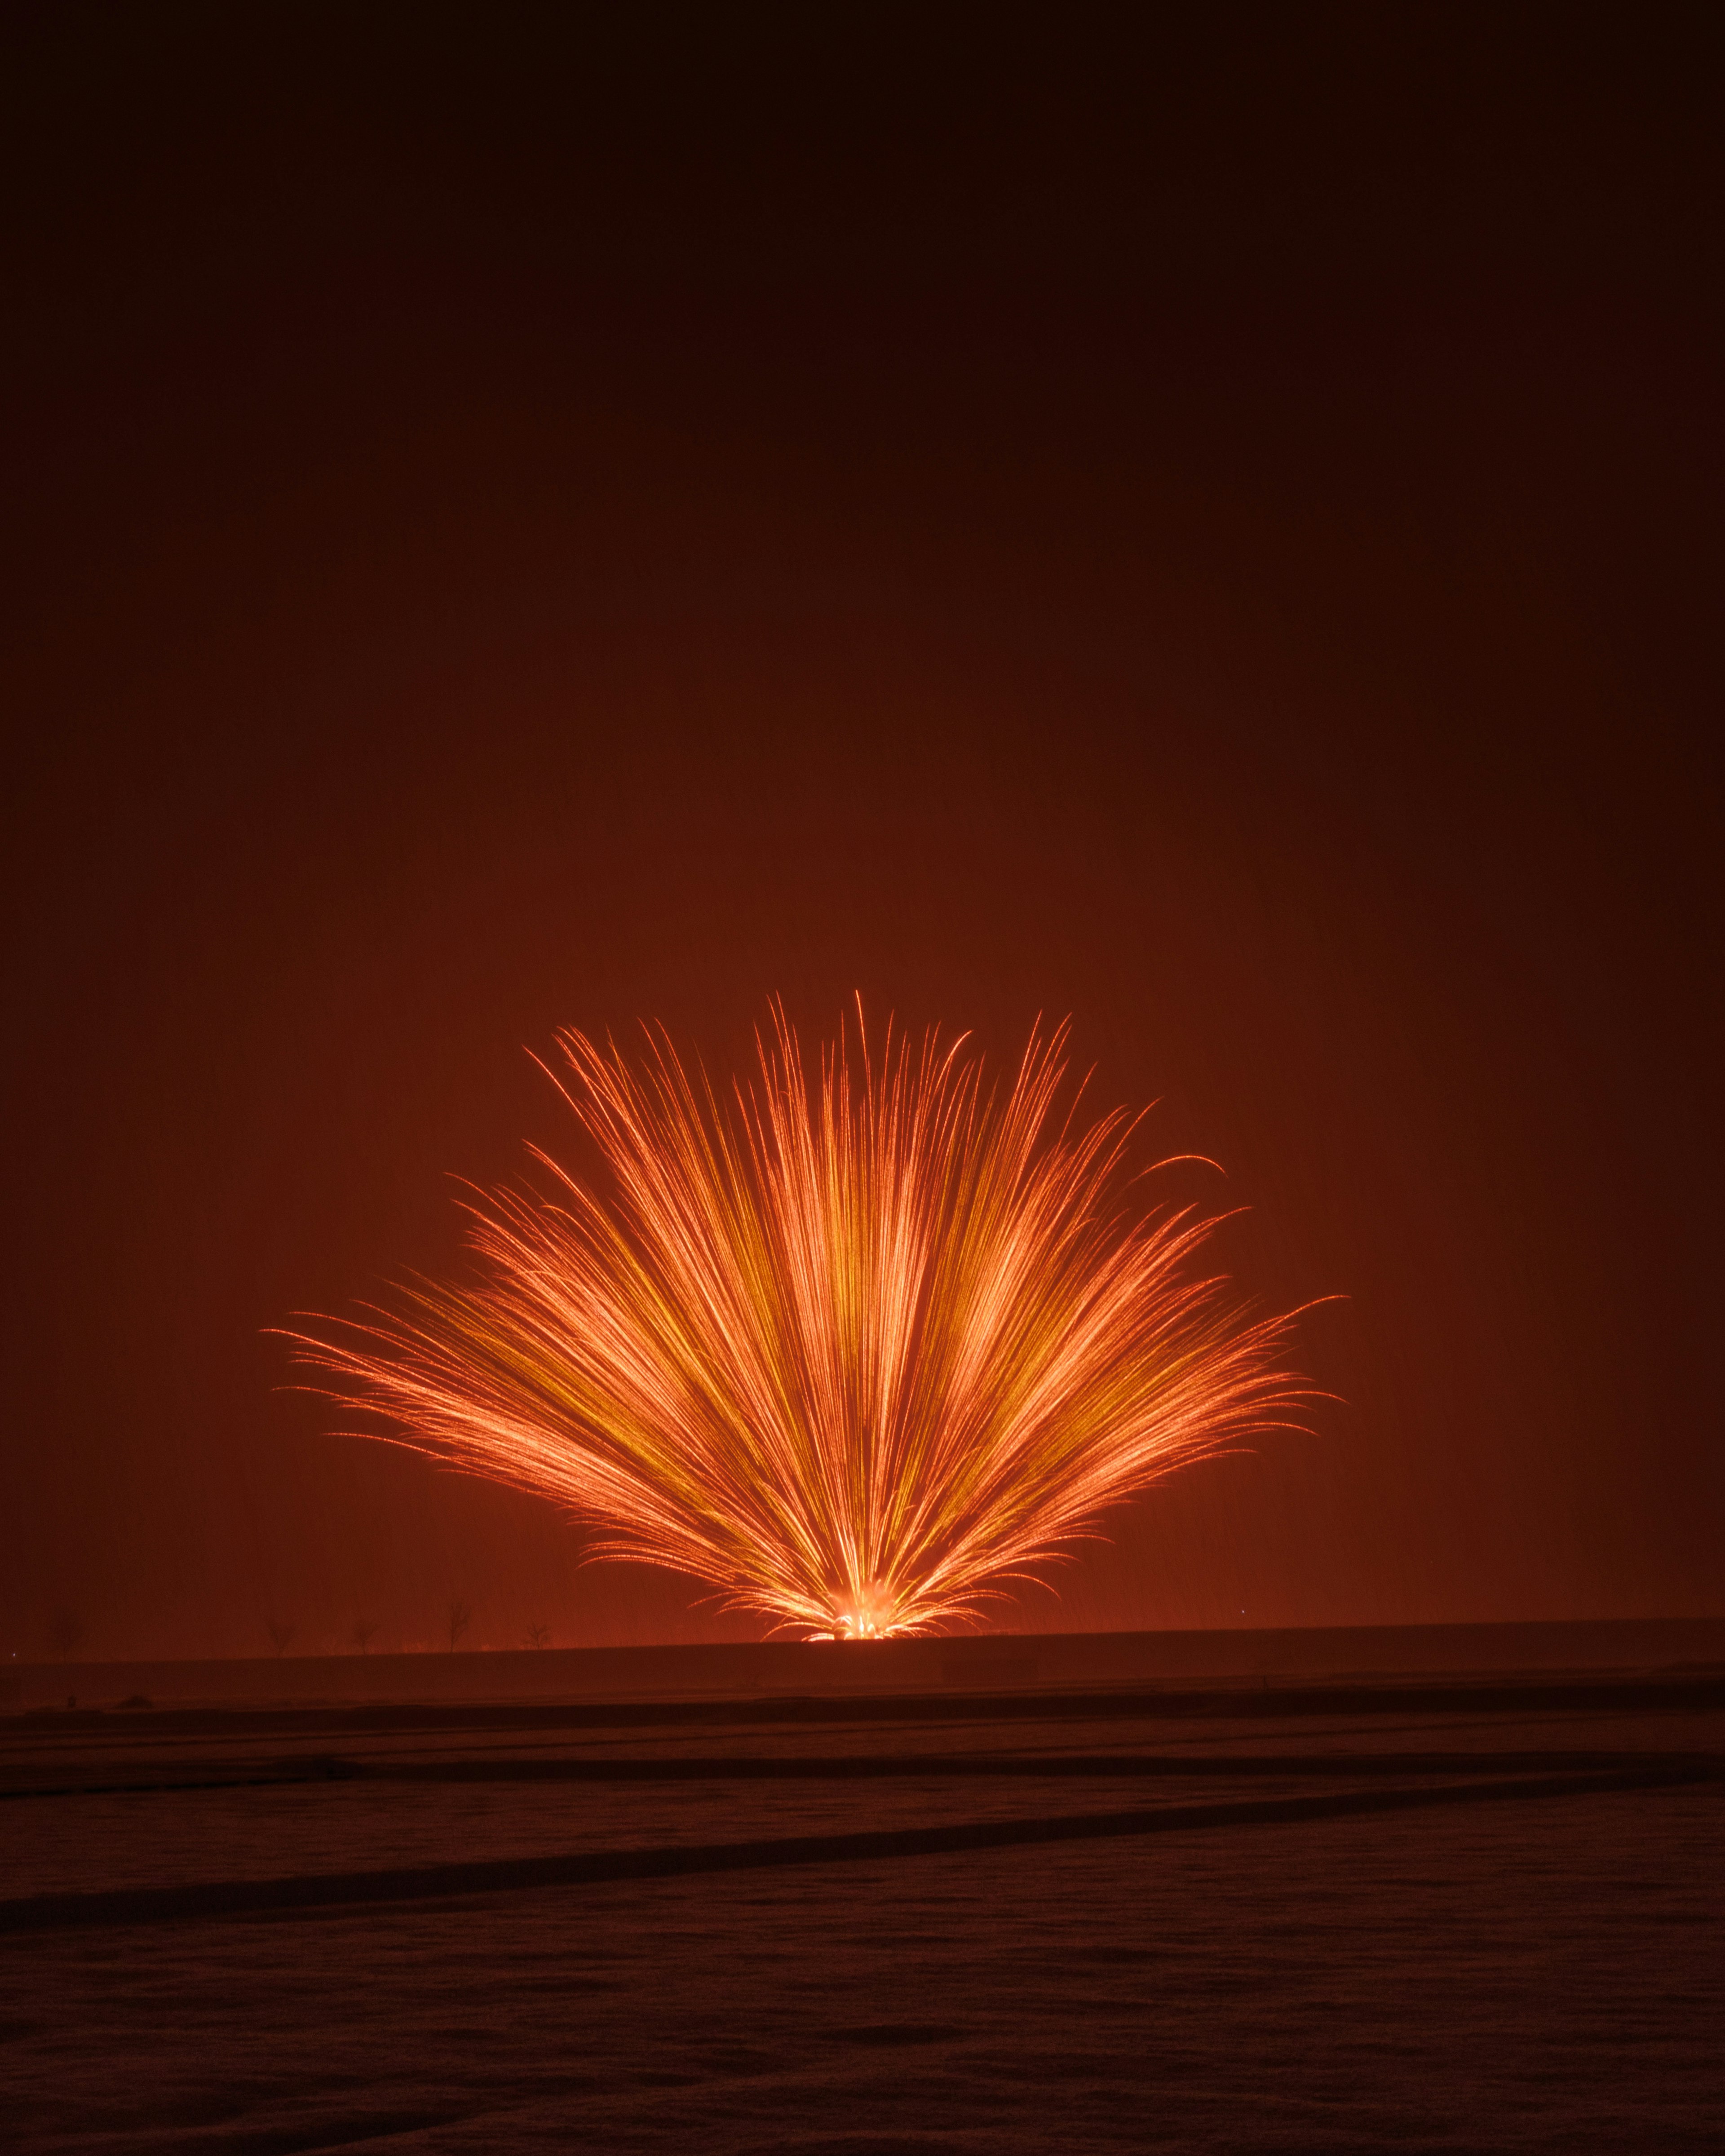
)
(857, 1349)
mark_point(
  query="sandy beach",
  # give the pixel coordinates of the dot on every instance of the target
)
(1463, 1911)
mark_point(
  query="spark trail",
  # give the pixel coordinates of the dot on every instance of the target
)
(857, 1348)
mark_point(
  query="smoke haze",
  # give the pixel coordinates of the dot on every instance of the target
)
(535, 536)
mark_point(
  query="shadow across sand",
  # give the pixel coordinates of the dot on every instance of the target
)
(886, 1766)
(336, 1891)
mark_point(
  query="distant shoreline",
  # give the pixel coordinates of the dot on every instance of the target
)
(990, 1662)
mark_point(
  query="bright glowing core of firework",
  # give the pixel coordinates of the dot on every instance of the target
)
(858, 1349)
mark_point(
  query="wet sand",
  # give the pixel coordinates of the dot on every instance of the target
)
(1482, 1911)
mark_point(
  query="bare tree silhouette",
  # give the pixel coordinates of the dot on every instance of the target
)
(538, 1634)
(460, 1617)
(281, 1631)
(365, 1630)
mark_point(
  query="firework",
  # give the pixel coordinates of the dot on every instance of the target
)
(857, 1348)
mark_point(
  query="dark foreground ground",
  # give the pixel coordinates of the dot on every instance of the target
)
(1480, 1912)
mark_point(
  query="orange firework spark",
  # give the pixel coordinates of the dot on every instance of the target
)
(855, 1352)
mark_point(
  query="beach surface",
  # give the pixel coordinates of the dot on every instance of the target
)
(1182, 1905)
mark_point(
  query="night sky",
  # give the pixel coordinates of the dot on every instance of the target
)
(1212, 532)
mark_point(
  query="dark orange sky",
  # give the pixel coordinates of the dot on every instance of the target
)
(1213, 534)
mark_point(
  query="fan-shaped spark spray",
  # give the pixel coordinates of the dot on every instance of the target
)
(856, 1352)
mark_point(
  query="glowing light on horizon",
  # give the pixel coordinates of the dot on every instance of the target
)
(857, 1350)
